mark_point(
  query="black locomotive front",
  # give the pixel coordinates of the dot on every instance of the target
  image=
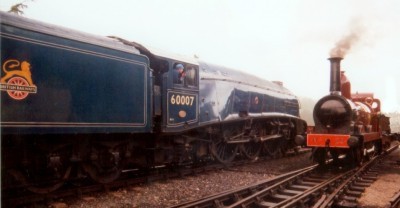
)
(333, 114)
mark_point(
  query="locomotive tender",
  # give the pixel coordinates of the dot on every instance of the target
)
(348, 127)
(74, 104)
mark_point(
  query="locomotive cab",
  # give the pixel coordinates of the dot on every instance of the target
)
(176, 89)
(180, 96)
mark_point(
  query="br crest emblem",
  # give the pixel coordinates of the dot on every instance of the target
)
(17, 80)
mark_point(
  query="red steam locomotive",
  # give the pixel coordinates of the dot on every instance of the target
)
(348, 127)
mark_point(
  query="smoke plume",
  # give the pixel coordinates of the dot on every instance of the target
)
(344, 45)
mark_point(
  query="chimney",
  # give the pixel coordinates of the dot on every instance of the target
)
(335, 75)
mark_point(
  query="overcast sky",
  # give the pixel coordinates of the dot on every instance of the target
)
(285, 40)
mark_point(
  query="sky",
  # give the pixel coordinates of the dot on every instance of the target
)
(285, 40)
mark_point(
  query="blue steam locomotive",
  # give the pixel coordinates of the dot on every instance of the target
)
(75, 104)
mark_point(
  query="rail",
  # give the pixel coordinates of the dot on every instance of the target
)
(309, 187)
(244, 194)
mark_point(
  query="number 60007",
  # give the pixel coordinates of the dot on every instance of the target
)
(182, 100)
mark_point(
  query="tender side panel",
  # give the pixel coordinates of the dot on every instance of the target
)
(70, 86)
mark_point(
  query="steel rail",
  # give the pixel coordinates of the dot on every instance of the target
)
(217, 200)
(341, 182)
(395, 201)
(298, 190)
(330, 199)
(256, 198)
(311, 193)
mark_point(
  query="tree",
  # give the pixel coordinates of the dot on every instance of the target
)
(17, 8)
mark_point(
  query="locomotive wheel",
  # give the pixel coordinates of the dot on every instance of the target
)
(102, 175)
(40, 187)
(46, 172)
(377, 150)
(222, 151)
(356, 156)
(104, 166)
(335, 157)
(273, 148)
(320, 156)
(251, 149)
(378, 147)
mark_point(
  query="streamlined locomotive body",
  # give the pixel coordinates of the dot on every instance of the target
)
(347, 126)
(76, 105)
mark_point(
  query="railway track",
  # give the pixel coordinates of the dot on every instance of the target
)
(395, 201)
(309, 187)
(82, 187)
(78, 187)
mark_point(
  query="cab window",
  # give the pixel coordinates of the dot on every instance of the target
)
(184, 74)
(191, 78)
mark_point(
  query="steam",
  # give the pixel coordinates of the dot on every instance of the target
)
(344, 45)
